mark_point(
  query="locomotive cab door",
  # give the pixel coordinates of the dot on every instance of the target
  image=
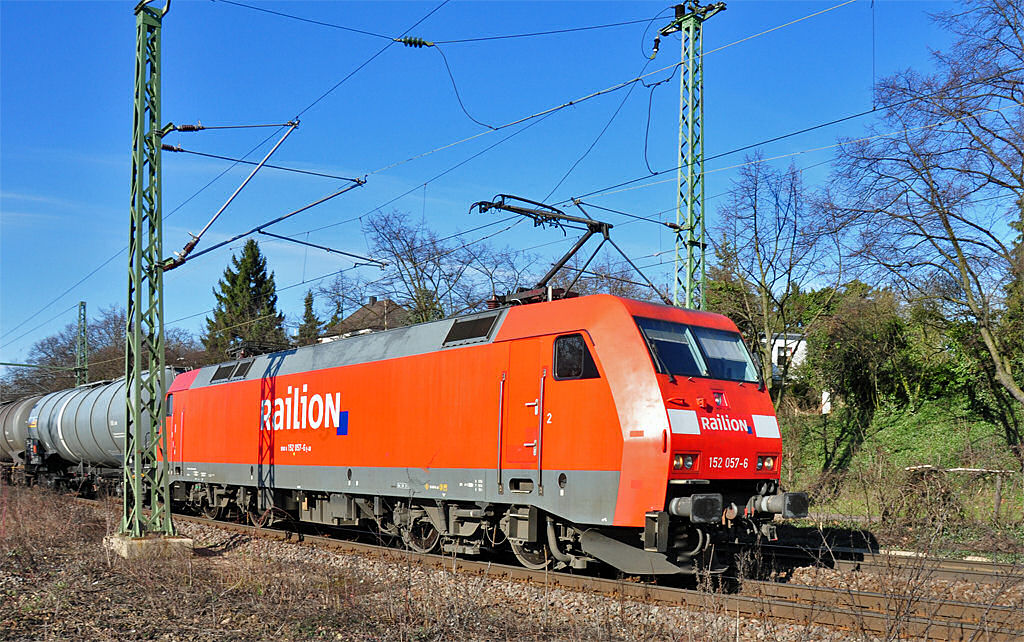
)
(173, 424)
(522, 434)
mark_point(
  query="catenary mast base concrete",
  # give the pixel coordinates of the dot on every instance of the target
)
(153, 547)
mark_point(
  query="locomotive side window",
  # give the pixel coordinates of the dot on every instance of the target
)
(726, 355)
(223, 372)
(672, 348)
(170, 405)
(475, 328)
(242, 369)
(573, 360)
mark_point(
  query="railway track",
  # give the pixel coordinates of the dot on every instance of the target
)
(863, 612)
(889, 563)
(935, 568)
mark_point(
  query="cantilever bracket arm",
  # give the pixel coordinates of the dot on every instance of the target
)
(170, 264)
(366, 260)
(182, 256)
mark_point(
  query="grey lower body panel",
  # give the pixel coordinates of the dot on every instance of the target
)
(586, 497)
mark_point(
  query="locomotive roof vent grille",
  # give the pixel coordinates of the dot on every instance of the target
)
(470, 330)
(223, 372)
(242, 369)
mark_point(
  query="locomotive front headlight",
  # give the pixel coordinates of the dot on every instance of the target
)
(677, 462)
(688, 462)
(768, 463)
(760, 463)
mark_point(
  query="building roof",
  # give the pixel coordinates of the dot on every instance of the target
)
(383, 314)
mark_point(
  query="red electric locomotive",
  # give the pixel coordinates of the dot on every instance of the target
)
(580, 429)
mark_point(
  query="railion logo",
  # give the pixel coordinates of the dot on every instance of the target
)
(725, 422)
(299, 411)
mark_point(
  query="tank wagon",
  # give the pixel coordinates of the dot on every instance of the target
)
(71, 438)
(14, 429)
(580, 429)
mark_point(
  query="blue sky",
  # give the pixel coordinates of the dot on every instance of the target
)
(66, 110)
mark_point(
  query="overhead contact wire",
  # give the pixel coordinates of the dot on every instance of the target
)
(125, 249)
(51, 319)
(545, 33)
(182, 150)
(595, 94)
(429, 180)
(600, 135)
(456, 88)
(364, 32)
(226, 170)
(368, 61)
(307, 20)
(613, 189)
(324, 276)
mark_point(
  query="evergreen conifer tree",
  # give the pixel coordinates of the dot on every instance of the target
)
(246, 317)
(309, 331)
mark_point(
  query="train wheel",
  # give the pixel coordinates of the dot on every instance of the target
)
(210, 512)
(262, 520)
(422, 536)
(533, 556)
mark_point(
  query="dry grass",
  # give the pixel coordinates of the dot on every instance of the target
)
(58, 582)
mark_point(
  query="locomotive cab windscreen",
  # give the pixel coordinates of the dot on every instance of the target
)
(694, 351)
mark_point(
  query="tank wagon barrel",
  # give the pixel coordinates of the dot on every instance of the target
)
(14, 428)
(83, 425)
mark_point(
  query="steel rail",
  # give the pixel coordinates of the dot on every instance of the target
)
(892, 562)
(973, 566)
(935, 568)
(990, 615)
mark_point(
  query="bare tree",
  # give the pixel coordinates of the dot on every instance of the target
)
(772, 244)
(431, 276)
(342, 295)
(106, 336)
(606, 274)
(931, 190)
(498, 270)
